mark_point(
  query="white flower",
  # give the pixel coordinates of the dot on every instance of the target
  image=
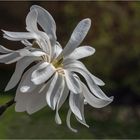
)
(55, 75)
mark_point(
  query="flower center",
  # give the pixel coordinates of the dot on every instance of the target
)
(57, 63)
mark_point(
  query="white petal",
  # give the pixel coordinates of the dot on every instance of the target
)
(72, 83)
(18, 36)
(77, 36)
(30, 102)
(94, 101)
(70, 63)
(68, 122)
(42, 73)
(63, 97)
(57, 50)
(37, 53)
(81, 52)
(9, 58)
(83, 121)
(5, 50)
(31, 21)
(21, 101)
(46, 21)
(93, 87)
(49, 92)
(54, 90)
(76, 102)
(58, 90)
(26, 43)
(36, 101)
(21, 53)
(26, 85)
(58, 98)
(20, 67)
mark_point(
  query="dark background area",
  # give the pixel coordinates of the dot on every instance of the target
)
(115, 34)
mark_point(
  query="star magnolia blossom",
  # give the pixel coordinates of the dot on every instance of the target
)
(54, 74)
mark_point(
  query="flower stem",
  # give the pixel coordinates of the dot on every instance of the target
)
(5, 106)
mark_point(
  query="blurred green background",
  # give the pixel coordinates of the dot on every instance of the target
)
(115, 34)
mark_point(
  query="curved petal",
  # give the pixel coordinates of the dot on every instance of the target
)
(26, 43)
(42, 73)
(83, 121)
(37, 53)
(77, 36)
(68, 122)
(5, 58)
(57, 50)
(94, 101)
(72, 82)
(46, 21)
(93, 87)
(21, 65)
(18, 36)
(54, 91)
(81, 52)
(18, 55)
(5, 50)
(31, 21)
(69, 63)
(60, 98)
(51, 90)
(76, 102)
(63, 96)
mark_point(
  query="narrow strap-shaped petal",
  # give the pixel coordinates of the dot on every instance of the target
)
(57, 99)
(94, 101)
(42, 73)
(81, 52)
(18, 36)
(83, 121)
(76, 102)
(50, 90)
(57, 50)
(5, 50)
(20, 67)
(18, 55)
(5, 58)
(55, 90)
(13, 56)
(31, 21)
(72, 83)
(93, 87)
(59, 91)
(37, 53)
(68, 121)
(77, 36)
(77, 64)
(26, 43)
(63, 97)
(46, 21)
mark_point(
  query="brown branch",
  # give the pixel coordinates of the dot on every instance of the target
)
(5, 106)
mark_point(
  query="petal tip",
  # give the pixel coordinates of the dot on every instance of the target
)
(87, 20)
